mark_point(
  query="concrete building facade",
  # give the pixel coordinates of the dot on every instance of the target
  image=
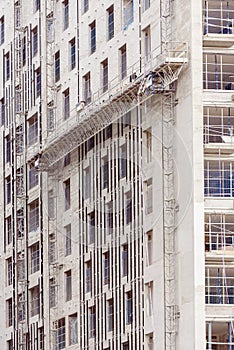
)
(116, 174)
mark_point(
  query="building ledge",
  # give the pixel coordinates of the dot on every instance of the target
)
(217, 255)
(218, 97)
(218, 40)
(227, 147)
(219, 311)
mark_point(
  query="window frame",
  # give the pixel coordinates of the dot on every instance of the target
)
(65, 14)
(92, 36)
(123, 61)
(34, 215)
(2, 30)
(110, 23)
(72, 44)
(57, 66)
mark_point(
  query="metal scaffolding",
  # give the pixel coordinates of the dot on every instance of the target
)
(162, 71)
(19, 192)
(171, 312)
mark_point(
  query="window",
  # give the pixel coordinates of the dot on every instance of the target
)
(123, 162)
(146, 5)
(125, 346)
(37, 5)
(24, 51)
(66, 104)
(2, 30)
(67, 194)
(149, 197)
(68, 246)
(148, 137)
(61, 334)
(35, 258)
(128, 15)
(8, 149)
(38, 82)
(73, 329)
(7, 66)
(57, 66)
(218, 178)
(128, 301)
(72, 44)
(128, 200)
(106, 268)
(123, 62)
(52, 248)
(68, 285)
(87, 88)
(8, 230)
(41, 338)
(2, 111)
(34, 41)
(52, 292)
(104, 66)
(67, 160)
(10, 344)
(149, 298)
(92, 30)
(147, 43)
(149, 247)
(107, 132)
(105, 173)
(9, 308)
(92, 322)
(85, 5)
(65, 14)
(126, 119)
(9, 271)
(92, 227)
(17, 15)
(8, 189)
(34, 215)
(87, 182)
(32, 175)
(88, 277)
(35, 301)
(109, 217)
(125, 260)
(110, 20)
(110, 315)
(90, 143)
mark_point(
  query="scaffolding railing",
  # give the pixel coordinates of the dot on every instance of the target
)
(218, 72)
(120, 98)
(218, 134)
(219, 289)
(219, 241)
(218, 17)
(219, 335)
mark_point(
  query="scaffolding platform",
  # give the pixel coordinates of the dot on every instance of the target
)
(122, 96)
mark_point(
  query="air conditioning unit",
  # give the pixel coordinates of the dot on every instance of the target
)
(232, 97)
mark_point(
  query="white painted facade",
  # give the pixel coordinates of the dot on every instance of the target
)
(116, 197)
